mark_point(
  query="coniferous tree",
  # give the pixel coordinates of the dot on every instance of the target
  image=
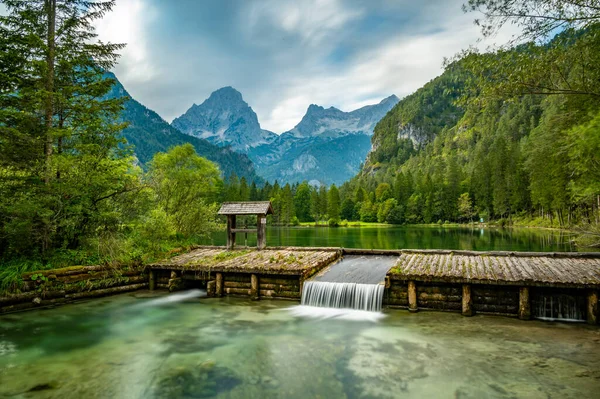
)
(57, 127)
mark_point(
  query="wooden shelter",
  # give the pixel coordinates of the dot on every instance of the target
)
(259, 208)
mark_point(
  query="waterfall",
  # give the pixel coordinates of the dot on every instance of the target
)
(343, 295)
(559, 307)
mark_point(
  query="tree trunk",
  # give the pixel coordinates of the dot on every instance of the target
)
(49, 103)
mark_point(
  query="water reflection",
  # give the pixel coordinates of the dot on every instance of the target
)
(414, 237)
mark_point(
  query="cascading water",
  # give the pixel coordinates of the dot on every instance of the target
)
(352, 289)
(343, 295)
(559, 307)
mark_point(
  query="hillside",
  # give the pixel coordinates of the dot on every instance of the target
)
(498, 155)
(149, 134)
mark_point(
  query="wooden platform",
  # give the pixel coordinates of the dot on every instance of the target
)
(523, 269)
(280, 261)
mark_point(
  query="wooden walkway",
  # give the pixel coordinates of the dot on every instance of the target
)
(282, 261)
(550, 270)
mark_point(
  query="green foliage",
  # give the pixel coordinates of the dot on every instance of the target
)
(333, 203)
(485, 147)
(185, 186)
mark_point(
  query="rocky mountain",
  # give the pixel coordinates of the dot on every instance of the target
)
(224, 119)
(149, 134)
(332, 122)
(328, 145)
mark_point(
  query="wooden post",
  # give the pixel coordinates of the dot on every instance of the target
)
(152, 280)
(524, 304)
(254, 291)
(467, 302)
(219, 284)
(592, 307)
(230, 233)
(261, 231)
(412, 296)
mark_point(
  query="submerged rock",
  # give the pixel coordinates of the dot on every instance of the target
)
(203, 381)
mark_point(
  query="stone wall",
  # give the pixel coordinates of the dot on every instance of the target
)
(57, 286)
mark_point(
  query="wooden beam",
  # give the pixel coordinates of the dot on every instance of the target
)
(261, 238)
(152, 280)
(230, 232)
(412, 296)
(524, 304)
(467, 301)
(254, 289)
(219, 284)
(592, 307)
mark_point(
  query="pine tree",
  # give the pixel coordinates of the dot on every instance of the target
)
(333, 203)
(57, 127)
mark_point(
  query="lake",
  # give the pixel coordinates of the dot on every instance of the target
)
(413, 237)
(137, 346)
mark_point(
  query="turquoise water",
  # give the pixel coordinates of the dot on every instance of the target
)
(413, 237)
(124, 347)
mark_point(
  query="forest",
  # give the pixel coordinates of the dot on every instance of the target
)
(510, 135)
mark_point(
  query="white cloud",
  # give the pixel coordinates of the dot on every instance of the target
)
(400, 66)
(312, 20)
(128, 23)
(282, 54)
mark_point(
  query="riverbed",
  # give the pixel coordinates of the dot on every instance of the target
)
(140, 346)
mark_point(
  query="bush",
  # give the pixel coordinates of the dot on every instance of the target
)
(295, 221)
(333, 222)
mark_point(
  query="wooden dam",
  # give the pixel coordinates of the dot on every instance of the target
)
(524, 285)
(547, 286)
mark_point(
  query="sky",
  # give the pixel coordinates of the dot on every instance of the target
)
(283, 55)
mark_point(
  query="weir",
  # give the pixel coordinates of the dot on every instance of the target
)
(355, 282)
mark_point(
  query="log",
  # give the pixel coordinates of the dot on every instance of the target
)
(219, 285)
(30, 296)
(254, 291)
(412, 296)
(106, 291)
(592, 307)
(279, 287)
(152, 280)
(280, 294)
(438, 297)
(235, 284)
(467, 302)
(524, 304)
(237, 291)
(274, 280)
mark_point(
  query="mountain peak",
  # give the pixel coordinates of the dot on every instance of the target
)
(391, 99)
(224, 118)
(227, 93)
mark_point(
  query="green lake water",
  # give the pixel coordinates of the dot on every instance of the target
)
(126, 347)
(413, 237)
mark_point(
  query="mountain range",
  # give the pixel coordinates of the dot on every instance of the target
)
(149, 134)
(327, 146)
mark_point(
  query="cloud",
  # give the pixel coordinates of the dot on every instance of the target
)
(129, 23)
(283, 55)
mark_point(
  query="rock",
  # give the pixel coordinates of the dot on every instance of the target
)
(176, 284)
(585, 373)
(37, 301)
(270, 382)
(43, 387)
(207, 365)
